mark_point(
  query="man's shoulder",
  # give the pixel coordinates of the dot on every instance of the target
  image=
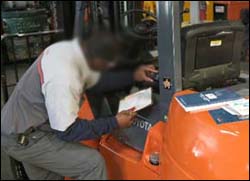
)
(60, 62)
(61, 53)
(61, 46)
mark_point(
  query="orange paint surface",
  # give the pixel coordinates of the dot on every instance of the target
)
(234, 8)
(190, 146)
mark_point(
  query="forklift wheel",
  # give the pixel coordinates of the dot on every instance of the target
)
(11, 168)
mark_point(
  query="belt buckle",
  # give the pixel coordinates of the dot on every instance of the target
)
(22, 140)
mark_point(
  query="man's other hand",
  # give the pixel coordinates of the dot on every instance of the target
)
(142, 73)
(125, 118)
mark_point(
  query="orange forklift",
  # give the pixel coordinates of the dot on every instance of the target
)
(165, 142)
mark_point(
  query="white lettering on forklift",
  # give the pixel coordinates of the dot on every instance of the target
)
(142, 124)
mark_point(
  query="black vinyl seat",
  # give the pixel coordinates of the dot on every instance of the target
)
(211, 50)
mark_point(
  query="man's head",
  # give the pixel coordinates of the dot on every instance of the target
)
(102, 50)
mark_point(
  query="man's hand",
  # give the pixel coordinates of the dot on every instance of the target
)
(142, 73)
(125, 118)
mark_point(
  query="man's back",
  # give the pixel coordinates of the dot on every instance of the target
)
(26, 106)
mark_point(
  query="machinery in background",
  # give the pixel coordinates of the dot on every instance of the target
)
(18, 5)
(229, 10)
(216, 10)
(25, 21)
(205, 11)
(149, 6)
(27, 17)
(235, 11)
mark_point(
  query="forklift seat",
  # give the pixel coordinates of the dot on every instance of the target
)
(211, 50)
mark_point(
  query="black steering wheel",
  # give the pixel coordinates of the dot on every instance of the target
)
(146, 29)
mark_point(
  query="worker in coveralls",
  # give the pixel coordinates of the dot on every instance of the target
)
(39, 123)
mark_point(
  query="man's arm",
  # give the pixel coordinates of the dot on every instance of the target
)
(62, 103)
(113, 81)
(85, 130)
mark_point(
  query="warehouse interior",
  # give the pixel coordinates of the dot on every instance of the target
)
(195, 48)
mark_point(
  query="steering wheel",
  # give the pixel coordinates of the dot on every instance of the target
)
(146, 29)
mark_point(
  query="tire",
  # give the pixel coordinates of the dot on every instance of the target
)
(11, 169)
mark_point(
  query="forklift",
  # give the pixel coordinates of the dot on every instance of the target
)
(167, 143)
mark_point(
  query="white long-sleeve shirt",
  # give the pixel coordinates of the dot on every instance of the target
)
(66, 76)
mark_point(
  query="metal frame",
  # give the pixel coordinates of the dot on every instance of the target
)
(170, 68)
(194, 12)
(169, 47)
(116, 25)
(5, 59)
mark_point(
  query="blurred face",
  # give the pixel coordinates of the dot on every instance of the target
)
(98, 64)
(101, 50)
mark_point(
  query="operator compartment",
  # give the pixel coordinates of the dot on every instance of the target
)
(178, 141)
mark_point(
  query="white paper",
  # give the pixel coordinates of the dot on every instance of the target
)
(138, 100)
(238, 107)
(154, 53)
(211, 96)
(231, 111)
(219, 9)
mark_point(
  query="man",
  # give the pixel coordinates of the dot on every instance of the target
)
(39, 123)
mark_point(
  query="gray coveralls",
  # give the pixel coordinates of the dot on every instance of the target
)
(46, 156)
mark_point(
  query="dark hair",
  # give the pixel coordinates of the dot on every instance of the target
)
(103, 45)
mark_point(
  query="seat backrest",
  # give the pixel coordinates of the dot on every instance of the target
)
(210, 50)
